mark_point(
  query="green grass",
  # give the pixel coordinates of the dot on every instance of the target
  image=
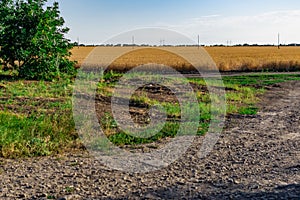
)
(248, 110)
(121, 138)
(35, 135)
(70, 189)
(51, 197)
(241, 99)
(38, 89)
(259, 80)
(36, 116)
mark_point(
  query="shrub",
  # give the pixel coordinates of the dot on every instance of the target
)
(32, 40)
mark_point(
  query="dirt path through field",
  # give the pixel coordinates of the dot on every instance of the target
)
(256, 157)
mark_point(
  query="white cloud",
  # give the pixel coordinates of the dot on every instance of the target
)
(259, 29)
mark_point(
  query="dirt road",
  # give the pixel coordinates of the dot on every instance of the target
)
(256, 157)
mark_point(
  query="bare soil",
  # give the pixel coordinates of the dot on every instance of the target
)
(27, 106)
(256, 157)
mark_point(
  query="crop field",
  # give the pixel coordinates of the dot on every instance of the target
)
(79, 54)
(255, 58)
(226, 58)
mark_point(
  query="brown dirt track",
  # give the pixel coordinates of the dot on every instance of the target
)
(257, 157)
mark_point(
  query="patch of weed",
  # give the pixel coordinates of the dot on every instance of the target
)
(248, 110)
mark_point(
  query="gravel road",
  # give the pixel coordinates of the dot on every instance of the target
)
(257, 157)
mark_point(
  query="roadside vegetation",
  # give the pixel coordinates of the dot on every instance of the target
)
(36, 116)
(242, 96)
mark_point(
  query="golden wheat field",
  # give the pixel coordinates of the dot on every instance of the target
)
(226, 58)
(252, 58)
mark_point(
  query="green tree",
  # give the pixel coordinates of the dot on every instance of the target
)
(32, 40)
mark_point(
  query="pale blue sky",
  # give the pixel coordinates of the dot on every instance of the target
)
(251, 21)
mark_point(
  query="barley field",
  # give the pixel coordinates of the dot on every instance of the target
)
(226, 58)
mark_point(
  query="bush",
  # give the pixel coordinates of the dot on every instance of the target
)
(32, 40)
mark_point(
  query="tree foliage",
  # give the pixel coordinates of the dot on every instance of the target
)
(32, 40)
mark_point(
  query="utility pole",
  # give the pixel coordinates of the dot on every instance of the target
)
(162, 42)
(133, 42)
(198, 41)
(278, 40)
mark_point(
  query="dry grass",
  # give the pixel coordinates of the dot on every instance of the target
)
(226, 58)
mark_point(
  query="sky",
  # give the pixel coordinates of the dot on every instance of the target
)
(216, 21)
